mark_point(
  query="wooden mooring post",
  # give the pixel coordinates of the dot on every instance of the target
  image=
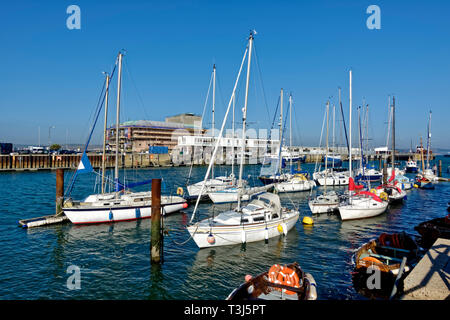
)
(156, 243)
(59, 191)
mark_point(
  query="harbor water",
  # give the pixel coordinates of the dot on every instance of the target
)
(114, 259)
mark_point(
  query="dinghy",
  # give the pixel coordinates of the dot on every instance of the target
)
(281, 282)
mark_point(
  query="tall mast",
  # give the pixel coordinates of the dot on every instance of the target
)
(290, 127)
(116, 168)
(213, 110)
(334, 121)
(393, 134)
(104, 133)
(421, 155)
(350, 129)
(280, 160)
(232, 141)
(244, 119)
(428, 141)
(326, 151)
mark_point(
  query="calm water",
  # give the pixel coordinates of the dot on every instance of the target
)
(114, 259)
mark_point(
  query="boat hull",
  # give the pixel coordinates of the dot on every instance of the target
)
(361, 209)
(238, 234)
(91, 214)
(293, 186)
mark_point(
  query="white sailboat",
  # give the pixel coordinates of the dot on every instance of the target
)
(115, 206)
(328, 201)
(262, 218)
(332, 176)
(362, 204)
(294, 182)
(426, 172)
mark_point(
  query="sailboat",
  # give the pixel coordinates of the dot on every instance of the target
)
(214, 184)
(328, 201)
(121, 205)
(394, 192)
(295, 181)
(427, 173)
(261, 219)
(362, 204)
(332, 175)
(271, 170)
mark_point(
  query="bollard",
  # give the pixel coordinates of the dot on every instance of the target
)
(59, 190)
(156, 234)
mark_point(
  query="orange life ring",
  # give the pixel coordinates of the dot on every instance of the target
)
(288, 277)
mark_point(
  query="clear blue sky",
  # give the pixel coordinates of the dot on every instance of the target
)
(51, 76)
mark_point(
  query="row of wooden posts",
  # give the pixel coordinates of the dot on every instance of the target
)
(157, 237)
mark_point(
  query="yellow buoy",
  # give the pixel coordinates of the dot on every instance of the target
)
(280, 228)
(308, 221)
(415, 186)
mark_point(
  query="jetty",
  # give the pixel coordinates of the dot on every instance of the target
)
(430, 279)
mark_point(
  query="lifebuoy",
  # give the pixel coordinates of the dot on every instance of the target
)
(285, 276)
(180, 191)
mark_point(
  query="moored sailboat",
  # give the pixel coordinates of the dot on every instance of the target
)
(121, 205)
(261, 219)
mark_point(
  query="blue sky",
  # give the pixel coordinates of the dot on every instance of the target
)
(52, 76)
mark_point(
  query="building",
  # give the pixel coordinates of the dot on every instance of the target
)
(138, 136)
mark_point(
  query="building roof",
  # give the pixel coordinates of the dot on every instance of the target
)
(154, 124)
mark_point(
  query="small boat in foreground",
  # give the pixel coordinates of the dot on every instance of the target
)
(384, 254)
(287, 282)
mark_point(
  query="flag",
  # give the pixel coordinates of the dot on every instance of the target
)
(85, 165)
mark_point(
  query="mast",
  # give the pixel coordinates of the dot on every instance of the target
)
(333, 152)
(104, 133)
(232, 151)
(116, 168)
(326, 151)
(280, 160)
(429, 141)
(421, 155)
(244, 119)
(213, 110)
(350, 129)
(290, 128)
(393, 135)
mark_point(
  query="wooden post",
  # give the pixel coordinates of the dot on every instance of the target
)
(59, 190)
(380, 165)
(440, 168)
(156, 234)
(385, 173)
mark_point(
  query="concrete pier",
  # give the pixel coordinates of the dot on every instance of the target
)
(430, 279)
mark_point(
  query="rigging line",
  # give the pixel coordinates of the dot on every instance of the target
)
(98, 108)
(201, 127)
(262, 84)
(135, 87)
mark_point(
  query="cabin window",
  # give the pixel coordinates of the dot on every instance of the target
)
(244, 220)
(274, 216)
(258, 219)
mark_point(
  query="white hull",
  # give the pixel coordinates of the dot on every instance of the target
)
(324, 204)
(211, 185)
(361, 208)
(231, 194)
(101, 211)
(237, 234)
(294, 186)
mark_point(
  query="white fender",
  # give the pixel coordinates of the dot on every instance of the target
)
(312, 292)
